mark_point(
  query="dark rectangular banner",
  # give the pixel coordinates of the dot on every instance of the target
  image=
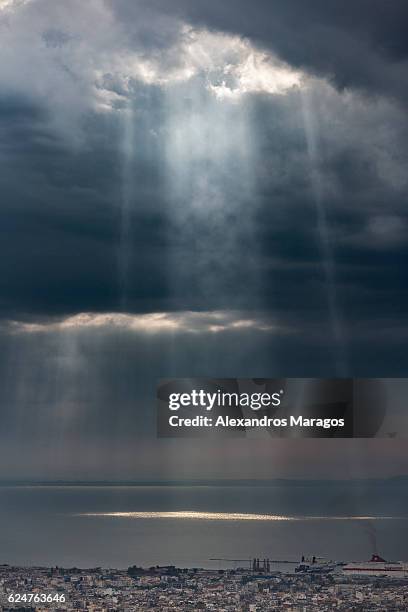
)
(277, 407)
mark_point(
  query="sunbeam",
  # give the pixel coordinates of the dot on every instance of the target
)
(310, 120)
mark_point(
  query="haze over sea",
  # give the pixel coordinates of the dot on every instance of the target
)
(187, 524)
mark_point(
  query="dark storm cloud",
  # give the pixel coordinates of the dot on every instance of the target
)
(62, 198)
(60, 218)
(359, 44)
(61, 215)
(365, 200)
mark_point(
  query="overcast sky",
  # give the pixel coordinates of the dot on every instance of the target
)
(196, 189)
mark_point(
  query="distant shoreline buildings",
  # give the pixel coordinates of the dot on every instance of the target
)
(168, 588)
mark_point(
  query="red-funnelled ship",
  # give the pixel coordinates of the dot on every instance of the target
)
(377, 566)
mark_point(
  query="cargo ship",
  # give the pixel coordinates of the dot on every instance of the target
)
(315, 565)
